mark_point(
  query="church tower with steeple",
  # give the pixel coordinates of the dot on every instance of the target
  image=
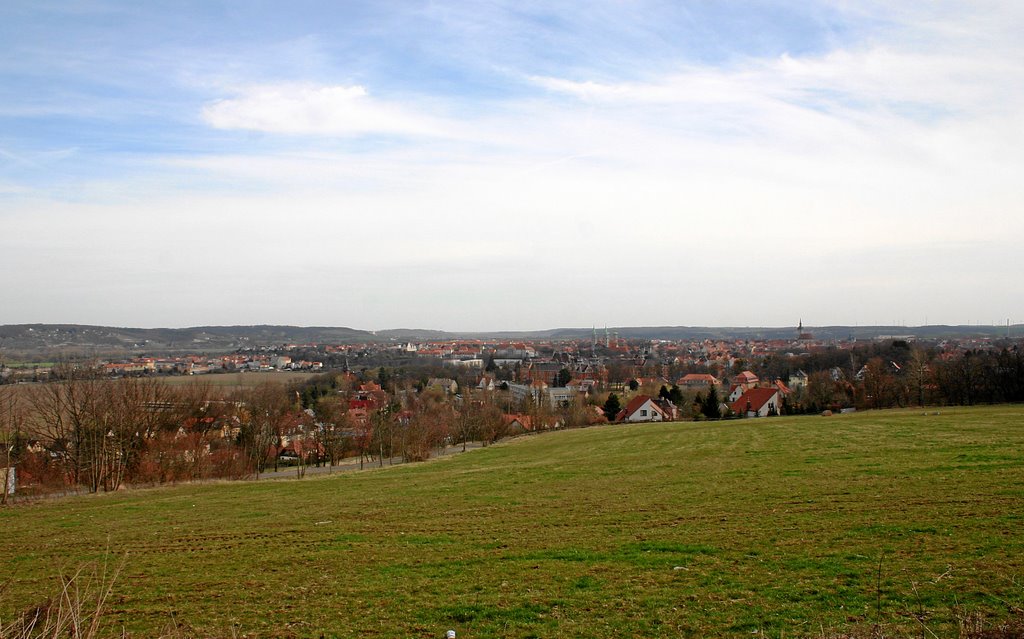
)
(801, 334)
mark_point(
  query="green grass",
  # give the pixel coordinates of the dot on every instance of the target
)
(777, 526)
(14, 363)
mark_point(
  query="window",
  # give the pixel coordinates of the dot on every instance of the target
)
(643, 413)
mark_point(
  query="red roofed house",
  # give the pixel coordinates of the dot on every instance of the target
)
(758, 402)
(517, 424)
(642, 409)
(368, 404)
(746, 379)
(740, 384)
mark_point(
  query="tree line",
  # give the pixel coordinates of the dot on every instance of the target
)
(84, 431)
(906, 375)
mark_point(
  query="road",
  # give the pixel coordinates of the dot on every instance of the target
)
(351, 464)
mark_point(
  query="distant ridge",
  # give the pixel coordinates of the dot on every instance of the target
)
(719, 332)
(78, 339)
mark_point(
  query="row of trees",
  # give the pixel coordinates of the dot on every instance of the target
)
(81, 430)
(84, 431)
(98, 434)
(905, 376)
(921, 378)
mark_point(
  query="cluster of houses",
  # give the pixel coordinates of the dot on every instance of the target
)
(747, 396)
(186, 365)
(199, 365)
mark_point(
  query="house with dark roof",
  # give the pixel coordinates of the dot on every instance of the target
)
(798, 380)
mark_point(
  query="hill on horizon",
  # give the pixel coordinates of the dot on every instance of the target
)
(76, 339)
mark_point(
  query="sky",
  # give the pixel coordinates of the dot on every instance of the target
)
(511, 165)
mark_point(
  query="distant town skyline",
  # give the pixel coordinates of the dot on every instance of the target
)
(511, 165)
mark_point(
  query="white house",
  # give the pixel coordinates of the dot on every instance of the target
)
(758, 402)
(642, 409)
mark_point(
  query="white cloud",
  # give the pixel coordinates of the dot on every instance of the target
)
(842, 82)
(316, 110)
(821, 174)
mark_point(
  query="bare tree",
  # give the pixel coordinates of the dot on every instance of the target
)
(305, 442)
(12, 417)
(491, 422)
(821, 390)
(266, 408)
(467, 423)
(878, 384)
(64, 415)
(333, 425)
(918, 374)
(363, 437)
(383, 422)
(427, 429)
(133, 411)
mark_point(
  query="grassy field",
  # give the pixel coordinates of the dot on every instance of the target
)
(14, 363)
(219, 383)
(239, 380)
(799, 526)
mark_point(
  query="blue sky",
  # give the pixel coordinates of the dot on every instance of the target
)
(511, 165)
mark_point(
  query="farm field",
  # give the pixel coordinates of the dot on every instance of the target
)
(238, 380)
(795, 526)
(216, 381)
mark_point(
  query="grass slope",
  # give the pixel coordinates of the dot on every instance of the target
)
(773, 526)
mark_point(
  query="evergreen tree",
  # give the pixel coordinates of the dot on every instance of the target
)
(612, 407)
(711, 409)
(563, 377)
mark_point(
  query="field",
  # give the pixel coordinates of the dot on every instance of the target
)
(239, 380)
(801, 526)
(219, 382)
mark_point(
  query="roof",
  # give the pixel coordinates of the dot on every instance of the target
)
(746, 377)
(703, 378)
(636, 403)
(441, 381)
(757, 397)
(523, 420)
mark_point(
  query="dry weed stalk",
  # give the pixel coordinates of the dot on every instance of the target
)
(76, 612)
